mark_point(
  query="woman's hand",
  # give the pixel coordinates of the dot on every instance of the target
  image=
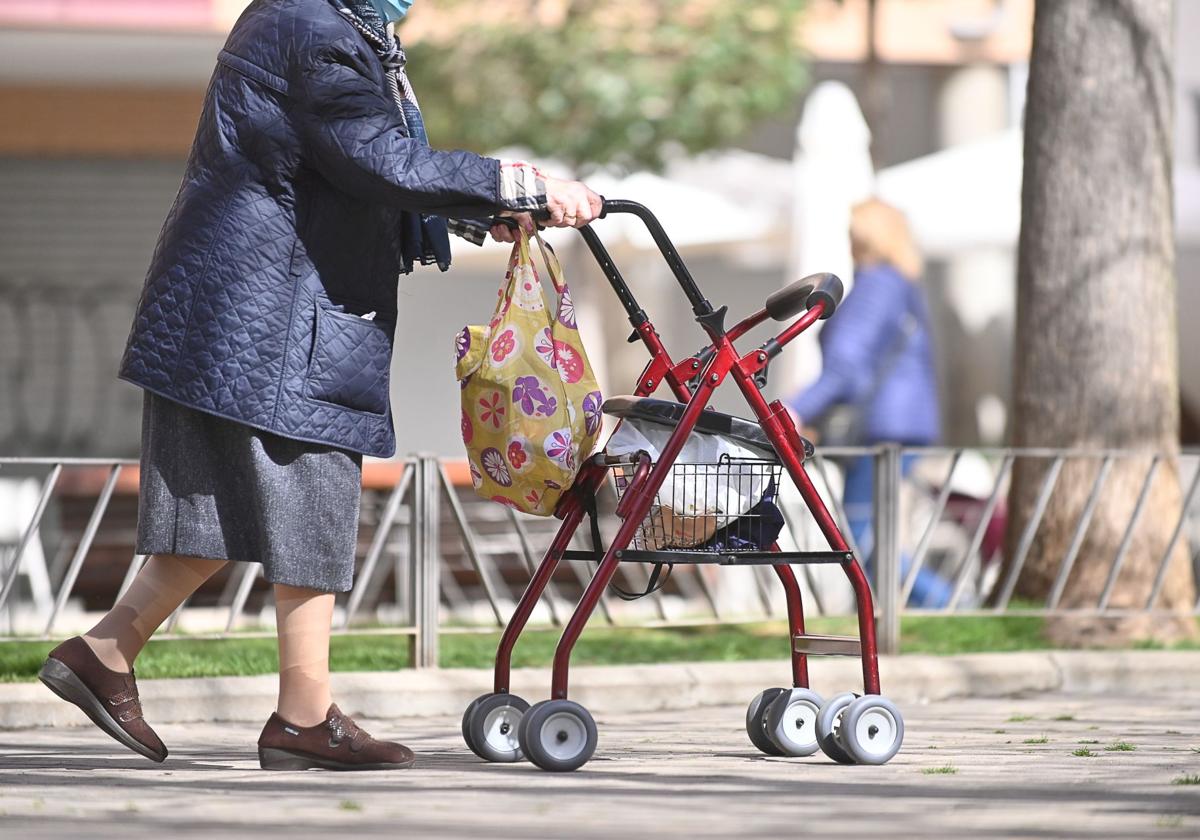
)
(571, 203)
(503, 233)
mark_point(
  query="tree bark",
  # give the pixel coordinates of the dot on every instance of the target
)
(1096, 361)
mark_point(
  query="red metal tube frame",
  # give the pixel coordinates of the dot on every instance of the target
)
(795, 608)
(783, 435)
(571, 510)
(641, 498)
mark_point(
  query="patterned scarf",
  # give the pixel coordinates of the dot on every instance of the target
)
(424, 238)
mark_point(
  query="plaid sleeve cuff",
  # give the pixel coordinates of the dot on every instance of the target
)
(474, 231)
(522, 189)
(522, 186)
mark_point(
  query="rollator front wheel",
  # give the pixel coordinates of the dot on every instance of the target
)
(791, 722)
(490, 727)
(558, 735)
(872, 729)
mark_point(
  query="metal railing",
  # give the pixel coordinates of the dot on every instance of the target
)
(458, 564)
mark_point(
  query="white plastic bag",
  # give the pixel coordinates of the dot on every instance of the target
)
(699, 483)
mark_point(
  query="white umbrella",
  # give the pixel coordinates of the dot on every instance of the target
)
(969, 196)
(832, 172)
(960, 198)
(691, 215)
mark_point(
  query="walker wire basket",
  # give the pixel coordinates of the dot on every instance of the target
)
(722, 508)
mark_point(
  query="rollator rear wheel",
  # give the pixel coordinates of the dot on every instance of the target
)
(829, 721)
(490, 727)
(756, 720)
(872, 730)
(791, 721)
(558, 735)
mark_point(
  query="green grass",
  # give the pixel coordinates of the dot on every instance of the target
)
(1084, 752)
(1189, 779)
(1063, 717)
(349, 805)
(1088, 741)
(1154, 644)
(1019, 718)
(1121, 746)
(20, 660)
(944, 770)
(1042, 740)
(971, 634)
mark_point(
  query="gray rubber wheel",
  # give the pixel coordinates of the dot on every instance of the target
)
(756, 720)
(558, 735)
(829, 721)
(791, 721)
(466, 720)
(490, 727)
(872, 730)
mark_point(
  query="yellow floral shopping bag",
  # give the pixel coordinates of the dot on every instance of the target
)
(530, 402)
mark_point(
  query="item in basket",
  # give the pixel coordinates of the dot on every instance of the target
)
(712, 475)
(664, 528)
(756, 530)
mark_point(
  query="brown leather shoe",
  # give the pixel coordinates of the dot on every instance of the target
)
(108, 697)
(335, 744)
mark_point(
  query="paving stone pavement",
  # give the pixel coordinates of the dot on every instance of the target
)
(984, 768)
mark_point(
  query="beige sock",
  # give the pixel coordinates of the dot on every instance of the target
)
(160, 586)
(303, 618)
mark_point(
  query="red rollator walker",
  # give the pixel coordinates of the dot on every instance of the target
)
(559, 734)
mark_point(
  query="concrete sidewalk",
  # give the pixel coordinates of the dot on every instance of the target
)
(969, 767)
(641, 688)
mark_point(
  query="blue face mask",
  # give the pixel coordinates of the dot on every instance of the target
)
(392, 10)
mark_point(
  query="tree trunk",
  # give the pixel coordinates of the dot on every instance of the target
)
(1096, 359)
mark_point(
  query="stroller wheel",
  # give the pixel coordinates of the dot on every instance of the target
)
(829, 721)
(872, 729)
(756, 720)
(490, 727)
(558, 735)
(791, 721)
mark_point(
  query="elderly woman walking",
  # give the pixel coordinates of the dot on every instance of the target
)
(263, 341)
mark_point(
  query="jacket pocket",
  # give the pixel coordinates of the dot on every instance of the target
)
(351, 360)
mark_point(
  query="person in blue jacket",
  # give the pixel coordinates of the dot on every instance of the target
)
(878, 382)
(263, 341)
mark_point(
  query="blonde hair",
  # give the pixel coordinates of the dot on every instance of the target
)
(879, 233)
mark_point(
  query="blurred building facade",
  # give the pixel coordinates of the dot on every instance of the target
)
(100, 99)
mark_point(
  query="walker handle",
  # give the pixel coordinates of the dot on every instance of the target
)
(804, 294)
(511, 223)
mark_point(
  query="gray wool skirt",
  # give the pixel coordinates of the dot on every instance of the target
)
(216, 488)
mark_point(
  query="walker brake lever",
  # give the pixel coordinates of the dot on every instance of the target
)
(760, 378)
(702, 358)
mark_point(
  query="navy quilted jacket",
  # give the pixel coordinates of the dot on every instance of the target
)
(285, 233)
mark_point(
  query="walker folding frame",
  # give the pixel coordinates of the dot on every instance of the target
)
(559, 734)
